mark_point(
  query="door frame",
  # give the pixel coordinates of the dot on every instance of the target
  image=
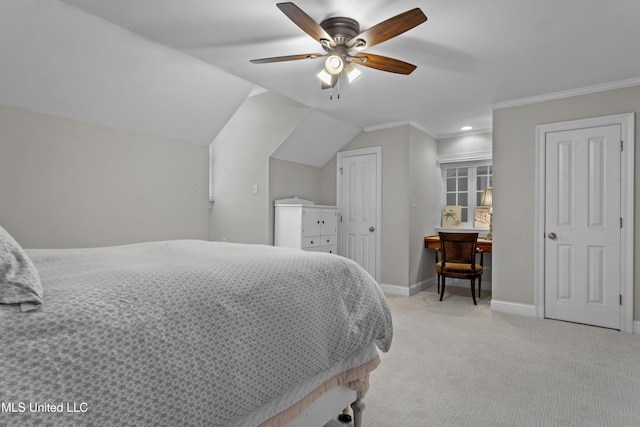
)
(360, 152)
(626, 122)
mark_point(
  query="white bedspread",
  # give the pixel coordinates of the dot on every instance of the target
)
(182, 333)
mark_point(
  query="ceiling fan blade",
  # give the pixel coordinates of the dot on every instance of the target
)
(334, 81)
(388, 29)
(287, 58)
(383, 63)
(307, 23)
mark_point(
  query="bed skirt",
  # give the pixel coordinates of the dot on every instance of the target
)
(355, 378)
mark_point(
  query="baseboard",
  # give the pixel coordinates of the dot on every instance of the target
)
(513, 308)
(421, 286)
(464, 283)
(408, 291)
(531, 311)
(527, 310)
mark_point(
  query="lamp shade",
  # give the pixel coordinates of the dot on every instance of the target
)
(334, 64)
(352, 72)
(487, 197)
(324, 76)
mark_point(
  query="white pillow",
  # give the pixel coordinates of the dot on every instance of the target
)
(19, 279)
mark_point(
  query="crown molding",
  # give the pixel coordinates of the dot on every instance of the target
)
(391, 125)
(464, 133)
(383, 126)
(566, 94)
(420, 128)
(465, 157)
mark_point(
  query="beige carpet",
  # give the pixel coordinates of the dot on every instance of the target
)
(456, 364)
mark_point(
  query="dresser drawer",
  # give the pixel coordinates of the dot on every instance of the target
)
(330, 249)
(312, 241)
(328, 240)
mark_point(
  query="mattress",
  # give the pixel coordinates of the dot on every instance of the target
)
(185, 333)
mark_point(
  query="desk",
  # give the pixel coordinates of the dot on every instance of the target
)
(433, 242)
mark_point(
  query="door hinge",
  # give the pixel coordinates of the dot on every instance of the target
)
(341, 171)
(620, 299)
(340, 218)
(621, 145)
(620, 222)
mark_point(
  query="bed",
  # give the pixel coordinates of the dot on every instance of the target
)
(184, 332)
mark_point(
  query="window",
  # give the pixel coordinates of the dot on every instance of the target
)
(464, 178)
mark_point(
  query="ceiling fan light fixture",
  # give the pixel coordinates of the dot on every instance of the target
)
(324, 76)
(334, 64)
(352, 72)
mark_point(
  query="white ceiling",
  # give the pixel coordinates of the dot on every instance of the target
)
(470, 54)
(181, 68)
(326, 135)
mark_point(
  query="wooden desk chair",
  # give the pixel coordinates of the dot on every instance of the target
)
(479, 251)
(459, 260)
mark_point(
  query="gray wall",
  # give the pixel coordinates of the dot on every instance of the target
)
(514, 179)
(66, 183)
(404, 176)
(423, 205)
(242, 150)
(287, 179)
(465, 144)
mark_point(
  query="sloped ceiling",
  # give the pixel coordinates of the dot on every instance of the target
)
(316, 139)
(62, 61)
(181, 68)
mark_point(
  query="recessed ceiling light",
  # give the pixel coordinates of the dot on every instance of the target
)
(466, 128)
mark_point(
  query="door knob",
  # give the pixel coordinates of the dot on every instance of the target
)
(552, 236)
(372, 229)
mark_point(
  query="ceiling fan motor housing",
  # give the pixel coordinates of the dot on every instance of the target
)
(341, 29)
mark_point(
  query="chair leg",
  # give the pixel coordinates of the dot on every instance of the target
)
(479, 286)
(473, 291)
(444, 279)
(438, 283)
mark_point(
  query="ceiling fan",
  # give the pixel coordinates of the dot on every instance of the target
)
(339, 36)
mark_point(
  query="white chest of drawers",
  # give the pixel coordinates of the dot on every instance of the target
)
(307, 227)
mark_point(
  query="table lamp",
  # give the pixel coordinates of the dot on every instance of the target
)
(487, 200)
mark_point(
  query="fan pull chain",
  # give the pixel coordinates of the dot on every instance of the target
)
(337, 94)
